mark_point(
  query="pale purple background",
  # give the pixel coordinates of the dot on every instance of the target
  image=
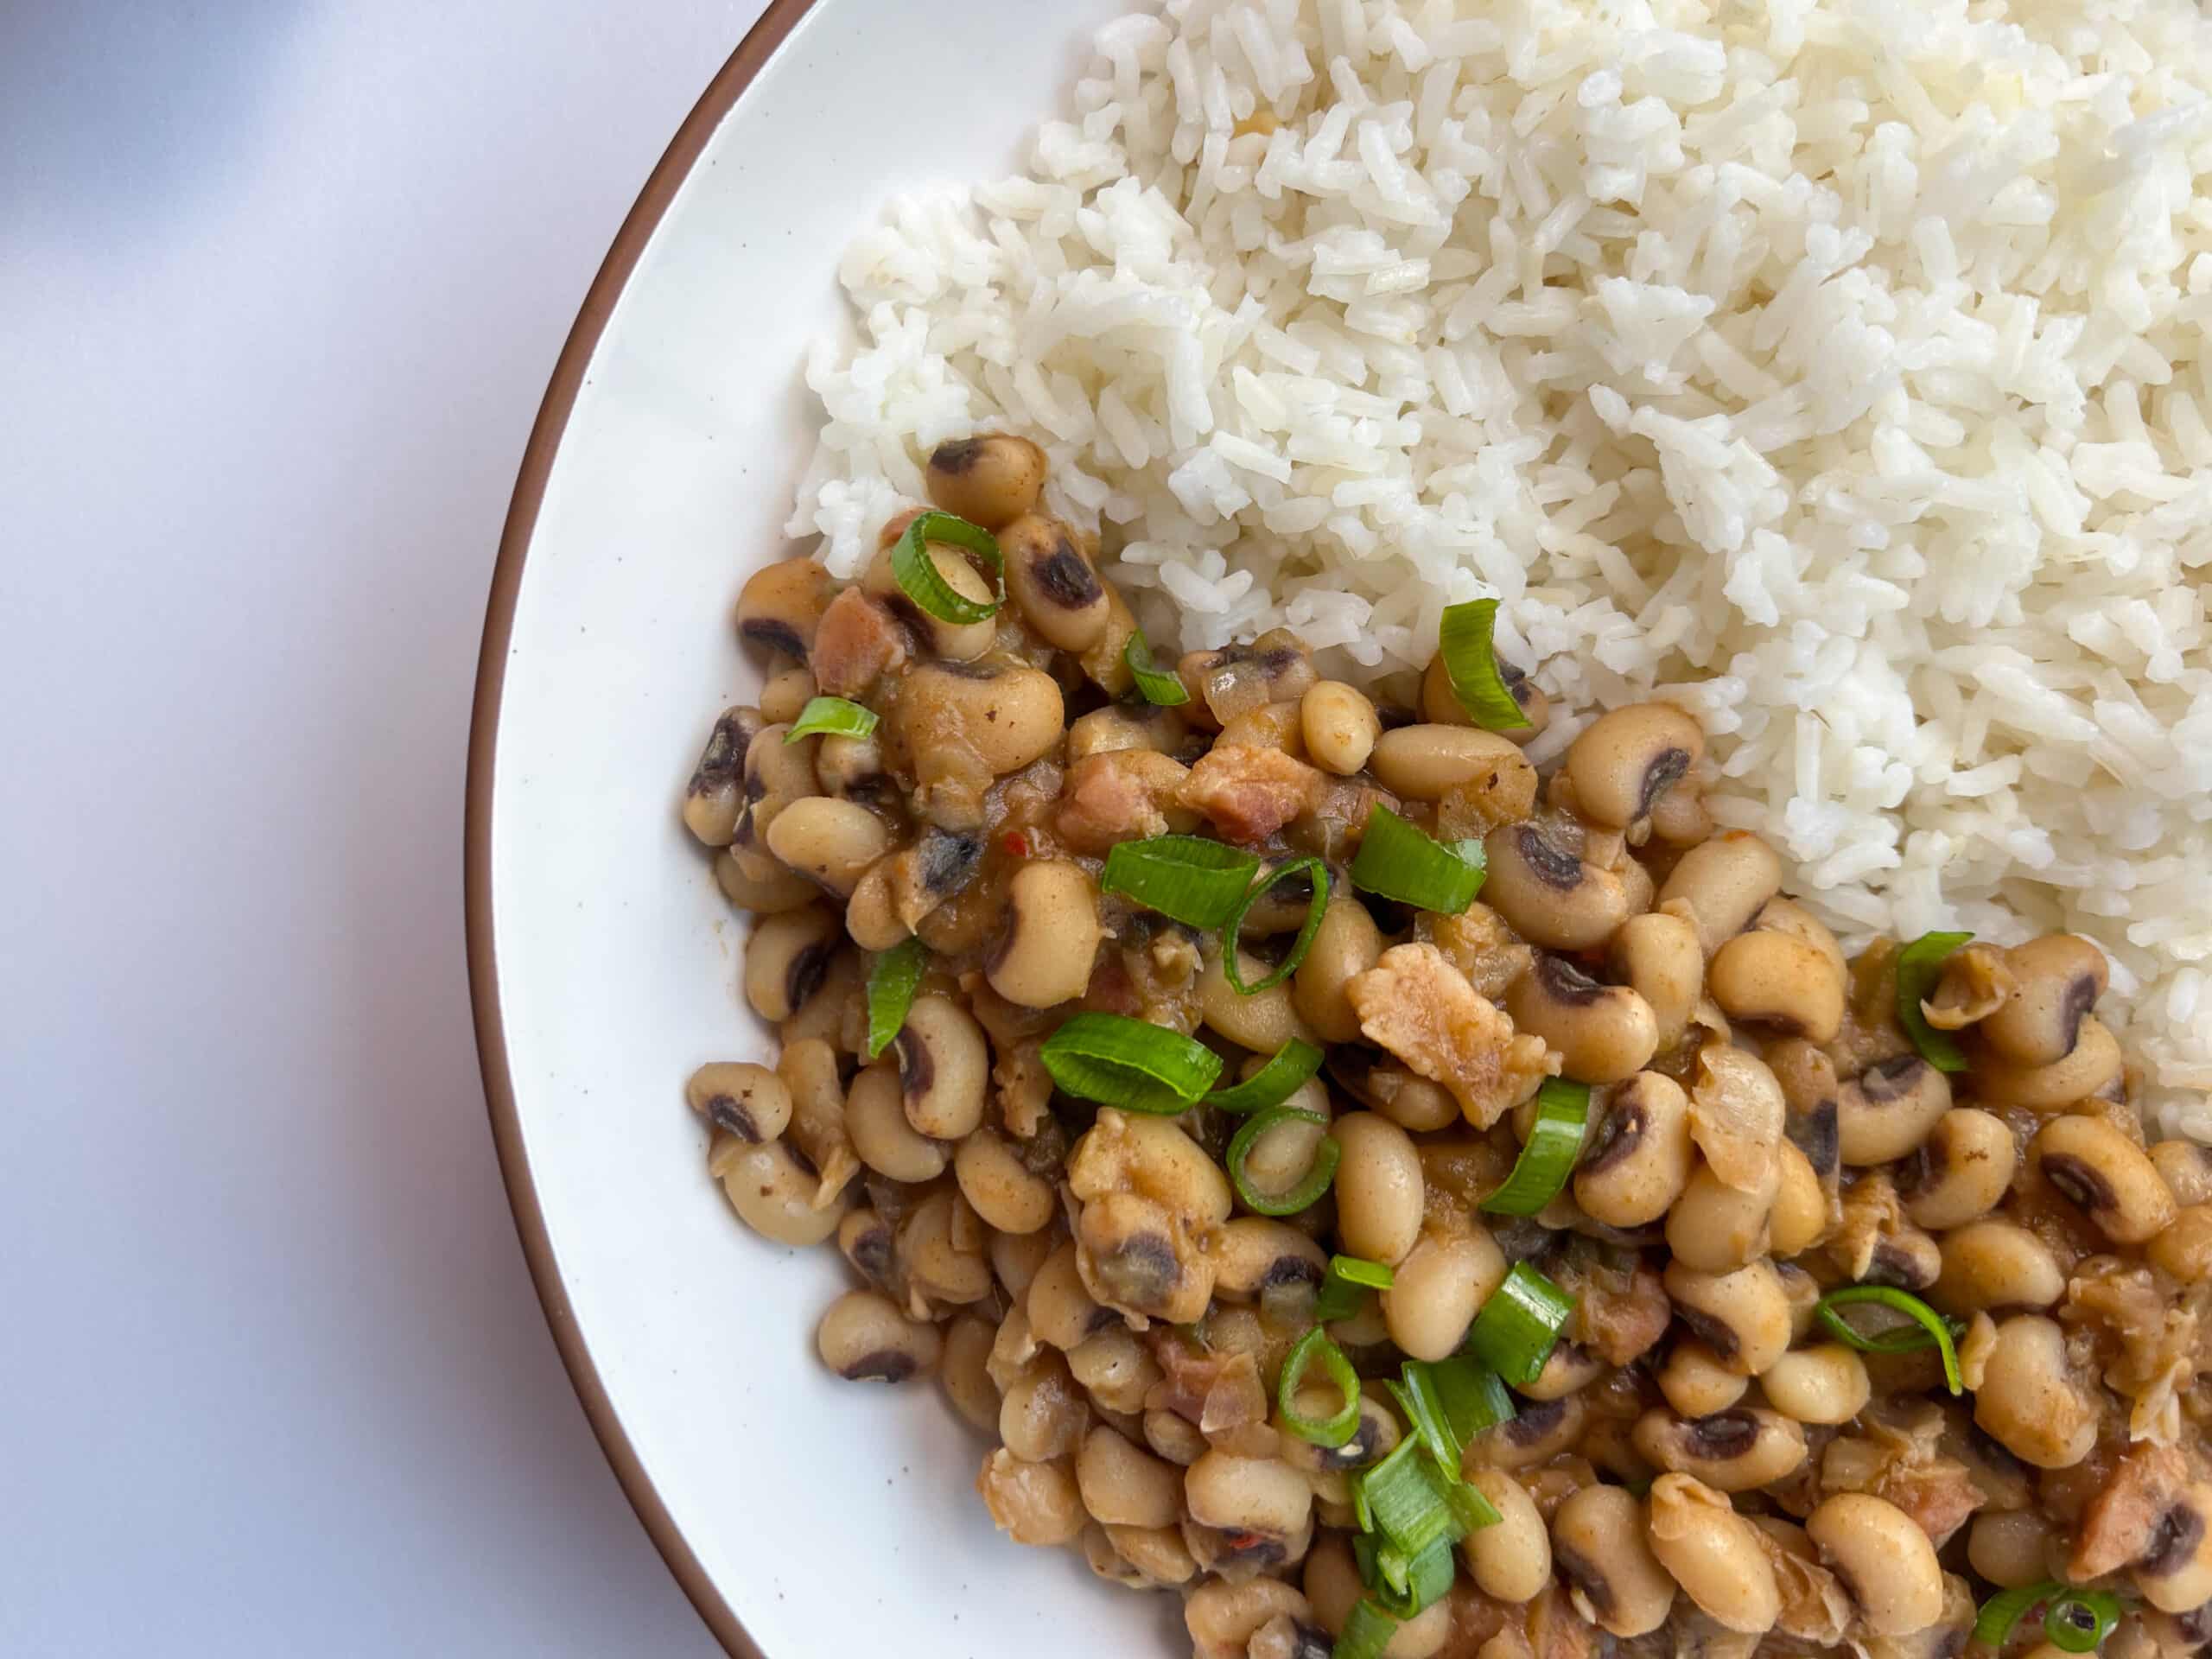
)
(281, 284)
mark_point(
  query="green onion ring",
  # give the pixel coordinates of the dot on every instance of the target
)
(1316, 908)
(1344, 1287)
(1935, 1328)
(1547, 1155)
(892, 979)
(920, 580)
(1398, 861)
(1130, 1063)
(1193, 880)
(1308, 1191)
(1319, 1431)
(1161, 687)
(2078, 1621)
(1920, 964)
(833, 718)
(1272, 1084)
(1471, 664)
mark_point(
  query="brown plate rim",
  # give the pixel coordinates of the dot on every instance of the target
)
(729, 84)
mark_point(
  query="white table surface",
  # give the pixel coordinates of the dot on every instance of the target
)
(281, 284)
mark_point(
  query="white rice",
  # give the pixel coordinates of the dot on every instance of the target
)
(1839, 370)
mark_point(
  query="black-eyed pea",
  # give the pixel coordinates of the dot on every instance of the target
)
(1657, 955)
(945, 1067)
(865, 1242)
(1224, 1618)
(1044, 1414)
(1440, 704)
(1271, 726)
(1438, 1288)
(1884, 1559)
(1138, 1256)
(1376, 1438)
(778, 771)
(1125, 1484)
(2029, 1402)
(1105, 664)
(1623, 762)
(1639, 1159)
(2105, 1175)
(1060, 1310)
(1541, 1431)
(1158, 1553)
(990, 479)
(773, 1190)
(1789, 917)
(955, 642)
(1825, 1384)
(716, 795)
(1714, 1227)
(770, 894)
(957, 721)
(1569, 1368)
(872, 911)
(1696, 1382)
(1263, 1495)
(1339, 726)
(1961, 1171)
(1781, 981)
(1379, 1187)
(1799, 1214)
(1333, 1588)
(963, 1371)
(781, 604)
(785, 693)
(1887, 1110)
(864, 1337)
(1550, 895)
(1254, 1256)
(875, 1120)
(1713, 1553)
(1512, 1561)
(939, 1261)
(830, 841)
(1176, 1438)
(1744, 1316)
(1152, 1156)
(1600, 1543)
(2010, 1548)
(1736, 1450)
(837, 1012)
(786, 959)
(1347, 944)
(1726, 883)
(1604, 1033)
(1043, 953)
(748, 1101)
(2056, 980)
(1031, 1503)
(1003, 1191)
(2186, 1168)
(1274, 668)
(2174, 1572)
(2183, 1250)
(1424, 763)
(1995, 1264)
(1115, 1369)
(1681, 817)
(2094, 1064)
(1052, 582)
(1262, 1022)
(1015, 1258)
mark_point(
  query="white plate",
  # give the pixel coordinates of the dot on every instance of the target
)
(811, 1515)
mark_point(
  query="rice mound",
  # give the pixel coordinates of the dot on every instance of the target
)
(1836, 370)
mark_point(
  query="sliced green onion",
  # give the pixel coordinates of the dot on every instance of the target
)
(1320, 1431)
(1362, 1513)
(1197, 881)
(920, 580)
(1920, 964)
(892, 979)
(1161, 688)
(1993, 1624)
(2079, 1620)
(1130, 1064)
(836, 716)
(1272, 1084)
(1316, 908)
(1358, 1270)
(1469, 1395)
(1468, 1507)
(1471, 664)
(1344, 1287)
(1397, 860)
(1547, 1155)
(1367, 1631)
(1404, 1584)
(1518, 1325)
(1416, 1396)
(1408, 1500)
(1308, 1191)
(1935, 1328)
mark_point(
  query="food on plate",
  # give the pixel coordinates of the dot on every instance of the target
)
(1406, 1199)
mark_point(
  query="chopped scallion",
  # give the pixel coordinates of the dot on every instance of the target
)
(1161, 687)
(1516, 1330)
(1130, 1064)
(892, 979)
(1307, 1193)
(1333, 1430)
(1408, 1500)
(1367, 1631)
(1406, 1584)
(1397, 860)
(833, 718)
(1315, 871)
(1920, 964)
(1547, 1155)
(1470, 1396)
(1344, 1287)
(2078, 1621)
(1934, 1328)
(1471, 664)
(1196, 881)
(920, 579)
(1272, 1084)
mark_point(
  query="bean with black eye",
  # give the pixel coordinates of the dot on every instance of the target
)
(2183, 1250)
(1060, 1309)
(785, 693)
(990, 479)
(1639, 1156)
(962, 1372)
(786, 959)
(882, 1137)
(1808, 1078)
(1247, 1494)
(1254, 1256)
(1730, 1451)
(1224, 1619)
(1602, 1549)
(830, 841)
(942, 1248)
(716, 795)
(1996, 1264)
(781, 604)
(1681, 817)
(1906, 1258)
(1539, 883)
(2105, 1175)
(1115, 1369)
(1000, 1187)
(1277, 667)
(1176, 1438)
(1824, 1384)
(749, 1102)
(1512, 1559)
(1125, 1484)
(2093, 1066)
(1402, 1095)
(1438, 1288)
(2029, 1402)
(872, 913)
(1887, 1110)
(769, 893)
(954, 642)
(1695, 1380)
(1714, 1553)
(1137, 1256)
(1603, 1032)
(1623, 762)
(1015, 1258)
(1713, 1226)
(1044, 1414)
(1052, 582)
(1031, 1503)
(1379, 1187)
(865, 1240)
(1044, 956)
(864, 1338)
(1158, 1553)
(1424, 763)
(1787, 916)
(1658, 956)
(2056, 981)
(2174, 1572)
(1440, 703)
(2186, 1168)
(1961, 1171)
(1780, 981)
(1119, 728)
(1339, 725)
(1334, 1586)
(1542, 1430)
(1800, 1213)
(1569, 1367)
(778, 771)
(963, 727)
(944, 1066)
(1744, 1316)
(773, 1189)
(2010, 1549)
(1262, 1022)
(1883, 1557)
(1153, 1156)
(1726, 883)
(1347, 944)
